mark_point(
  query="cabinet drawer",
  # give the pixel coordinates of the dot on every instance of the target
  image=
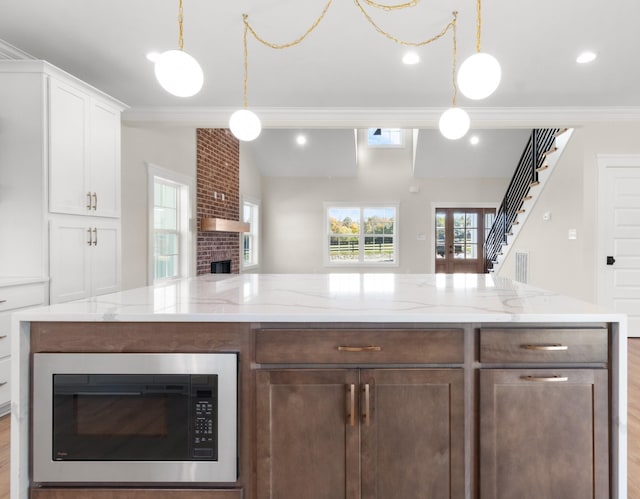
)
(27, 295)
(543, 345)
(5, 380)
(359, 346)
(5, 334)
(44, 493)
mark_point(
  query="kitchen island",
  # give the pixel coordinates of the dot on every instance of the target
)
(369, 385)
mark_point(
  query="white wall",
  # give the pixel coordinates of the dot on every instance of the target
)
(170, 148)
(251, 190)
(557, 263)
(293, 217)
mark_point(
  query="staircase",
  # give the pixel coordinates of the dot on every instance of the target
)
(539, 158)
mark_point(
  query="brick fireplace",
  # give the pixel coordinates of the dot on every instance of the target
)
(218, 196)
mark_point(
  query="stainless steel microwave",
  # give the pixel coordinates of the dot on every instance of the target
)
(135, 418)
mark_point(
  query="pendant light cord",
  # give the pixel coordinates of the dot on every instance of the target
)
(478, 24)
(454, 24)
(180, 31)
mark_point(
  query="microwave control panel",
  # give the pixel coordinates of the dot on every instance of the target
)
(204, 435)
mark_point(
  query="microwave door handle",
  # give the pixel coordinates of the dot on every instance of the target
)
(108, 393)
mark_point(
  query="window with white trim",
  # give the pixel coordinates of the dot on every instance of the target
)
(169, 242)
(250, 240)
(361, 235)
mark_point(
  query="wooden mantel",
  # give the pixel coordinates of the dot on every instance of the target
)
(223, 225)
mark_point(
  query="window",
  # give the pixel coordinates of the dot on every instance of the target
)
(385, 137)
(169, 244)
(362, 235)
(250, 240)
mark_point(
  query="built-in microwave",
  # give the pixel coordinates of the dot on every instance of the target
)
(135, 418)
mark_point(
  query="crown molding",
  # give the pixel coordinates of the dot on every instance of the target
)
(494, 117)
(9, 52)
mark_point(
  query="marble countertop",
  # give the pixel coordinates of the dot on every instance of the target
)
(330, 298)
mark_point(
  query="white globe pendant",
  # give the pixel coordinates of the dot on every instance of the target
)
(179, 73)
(479, 76)
(454, 123)
(245, 125)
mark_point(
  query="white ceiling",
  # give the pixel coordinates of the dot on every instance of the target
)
(345, 72)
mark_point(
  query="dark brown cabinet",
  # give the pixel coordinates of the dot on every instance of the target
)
(370, 433)
(544, 434)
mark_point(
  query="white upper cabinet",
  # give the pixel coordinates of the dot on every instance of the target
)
(84, 153)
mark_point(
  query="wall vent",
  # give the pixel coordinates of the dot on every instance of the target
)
(522, 266)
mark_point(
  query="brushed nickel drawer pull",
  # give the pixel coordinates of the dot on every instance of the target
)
(3, 337)
(88, 200)
(3, 301)
(351, 411)
(2, 383)
(95, 201)
(367, 402)
(90, 241)
(548, 379)
(95, 236)
(546, 348)
(370, 348)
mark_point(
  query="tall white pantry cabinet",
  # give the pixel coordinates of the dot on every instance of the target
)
(59, 180)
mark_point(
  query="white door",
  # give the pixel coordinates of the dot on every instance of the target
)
(105, 259)
(70, 243)
(619, 251)
(104, 152)
(68, 114)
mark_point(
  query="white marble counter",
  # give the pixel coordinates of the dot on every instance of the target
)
(328, 298)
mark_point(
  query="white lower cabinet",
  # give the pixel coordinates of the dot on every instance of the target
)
(14, 298)
(84, 257)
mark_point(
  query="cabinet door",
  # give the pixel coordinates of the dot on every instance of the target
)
(70, 242)
(104, 160)
(105, 259)
(544, 434)
(307, 434)
(68, 114)
(412, 431)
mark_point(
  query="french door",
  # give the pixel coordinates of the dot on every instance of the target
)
(459, 238)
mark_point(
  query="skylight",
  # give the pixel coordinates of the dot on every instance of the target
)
(385, 137)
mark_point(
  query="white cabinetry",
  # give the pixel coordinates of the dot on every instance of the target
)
(14, 297)
(85, 257)
(84, 153)
(59, 167)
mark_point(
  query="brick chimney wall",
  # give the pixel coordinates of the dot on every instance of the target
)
(218, 170)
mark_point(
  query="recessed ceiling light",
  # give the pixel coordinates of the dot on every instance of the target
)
(586, 57)
(411, 58)
(301, 140)
(153, 56)
(474, 140)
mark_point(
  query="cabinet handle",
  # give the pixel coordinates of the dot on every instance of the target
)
(351, 404)
(95, 236)
(90, 241)
(367, 402)
(546, 348)
(370, 348)
(95, 201)
(88, 200)
(2, 383)
(3, 337)
(547, 379)
(3, 301)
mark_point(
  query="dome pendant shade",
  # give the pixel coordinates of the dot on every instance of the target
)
(245, 125)
(454, 123)
(179, 73)
(479, 76)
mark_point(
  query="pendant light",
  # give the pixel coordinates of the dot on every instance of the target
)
(244, 124)
(178, 72)
(454, 122)
(479, 74)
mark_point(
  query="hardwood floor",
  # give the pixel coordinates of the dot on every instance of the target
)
(633, 430)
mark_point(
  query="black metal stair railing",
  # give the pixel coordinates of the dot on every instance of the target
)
(540, 142)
